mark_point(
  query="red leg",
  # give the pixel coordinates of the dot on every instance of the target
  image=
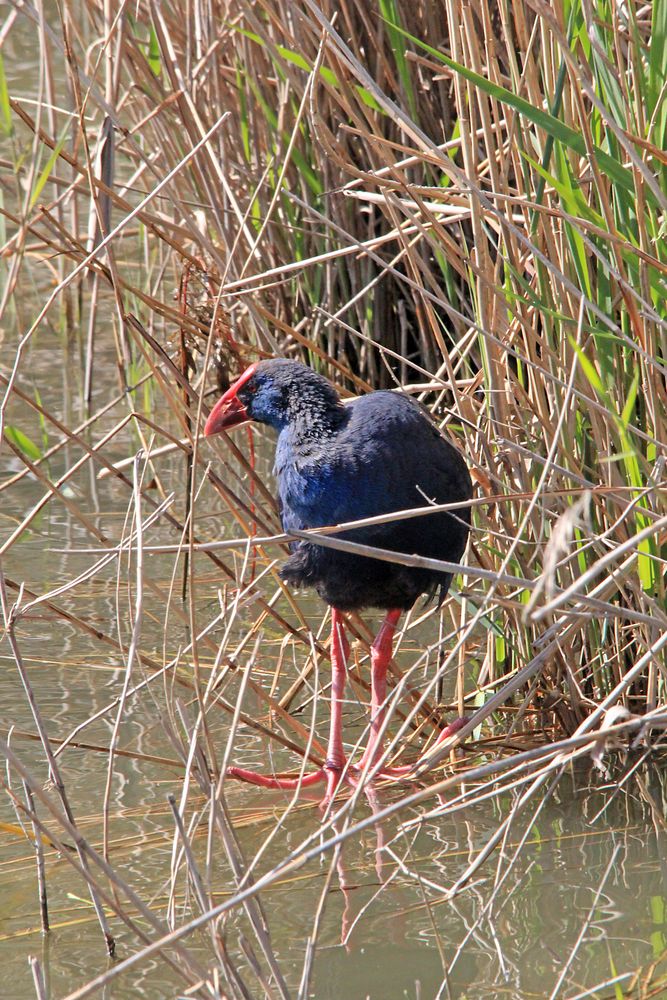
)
(381, 653)
(336, 761)
(340, 650)
(334, 767)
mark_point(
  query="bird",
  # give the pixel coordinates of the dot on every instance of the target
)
(343, 461)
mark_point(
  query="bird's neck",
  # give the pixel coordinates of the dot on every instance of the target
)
(313, 419)
(306, 436)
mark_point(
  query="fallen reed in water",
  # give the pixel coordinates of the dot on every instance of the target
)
(466, 202)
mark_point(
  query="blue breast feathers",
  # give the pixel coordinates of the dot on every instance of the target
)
(384, 459)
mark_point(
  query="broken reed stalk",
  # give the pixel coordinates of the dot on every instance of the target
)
(38, 978)
(39, 859)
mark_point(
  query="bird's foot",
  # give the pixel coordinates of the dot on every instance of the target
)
(332, 774)
(338, 772)
(372, 755)
(285, 782)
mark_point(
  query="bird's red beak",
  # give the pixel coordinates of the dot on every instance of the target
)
(229, 411)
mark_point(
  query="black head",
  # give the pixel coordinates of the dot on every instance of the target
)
(275, 392)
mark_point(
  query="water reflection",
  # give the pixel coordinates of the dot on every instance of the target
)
(514, 936)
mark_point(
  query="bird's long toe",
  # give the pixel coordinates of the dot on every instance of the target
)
(332, 775)
(286, 783)
(423, 765)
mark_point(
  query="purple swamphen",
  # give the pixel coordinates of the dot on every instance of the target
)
(339, 462)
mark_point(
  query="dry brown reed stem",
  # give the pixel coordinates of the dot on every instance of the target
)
(39, 859)
(137, 622)
(92, 258)
(193, 872)
(38, 978)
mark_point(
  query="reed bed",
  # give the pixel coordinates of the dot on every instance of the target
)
(466, 200)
